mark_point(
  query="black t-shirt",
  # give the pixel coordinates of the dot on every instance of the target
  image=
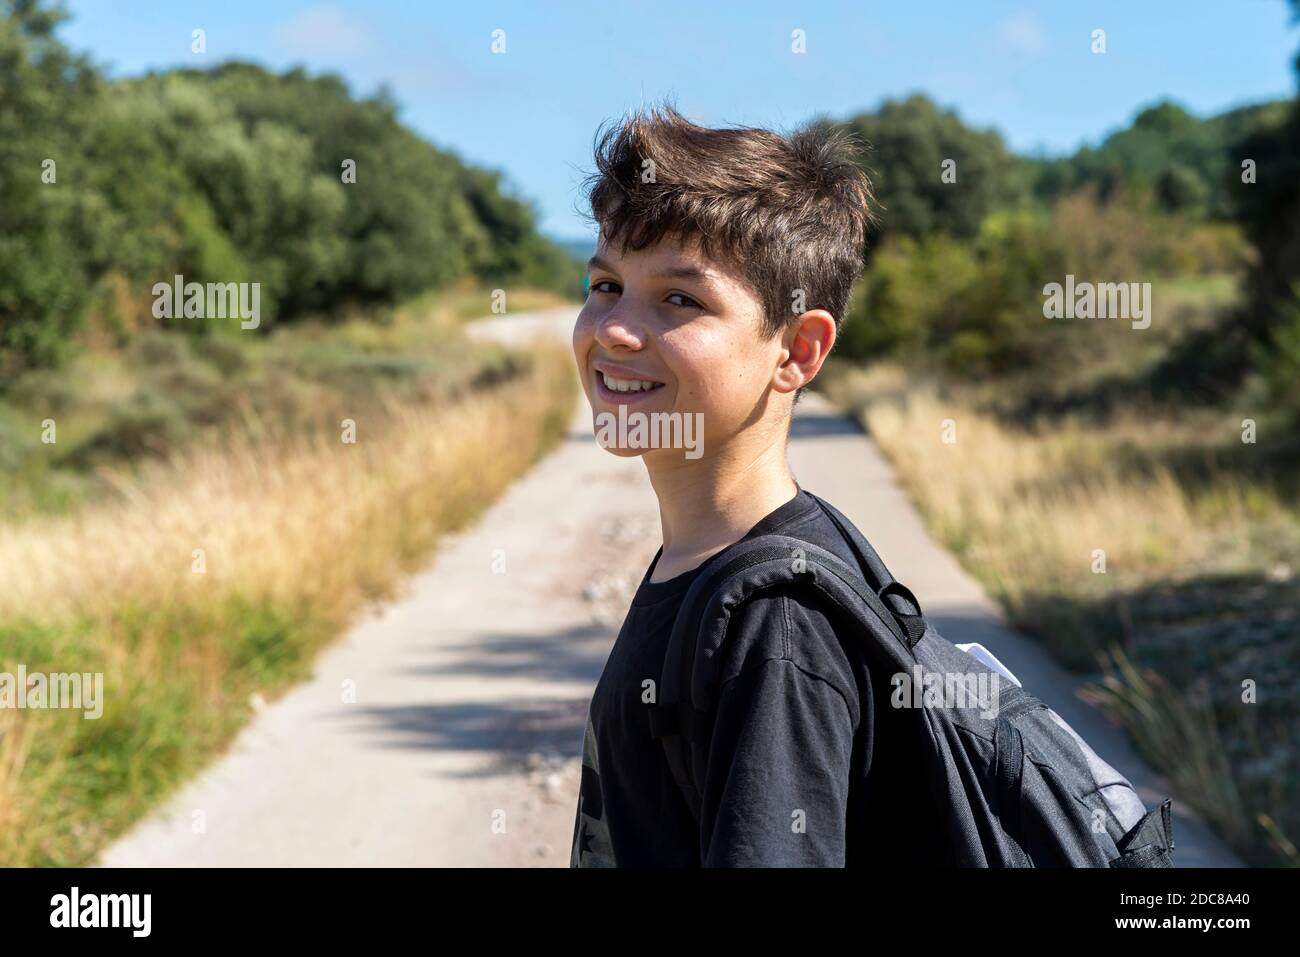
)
(793, 777)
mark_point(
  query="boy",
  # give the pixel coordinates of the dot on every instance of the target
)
(724, 265)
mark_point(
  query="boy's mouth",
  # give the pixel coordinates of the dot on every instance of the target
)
(613, 388)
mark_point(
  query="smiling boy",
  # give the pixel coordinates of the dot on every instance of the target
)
(724, 265)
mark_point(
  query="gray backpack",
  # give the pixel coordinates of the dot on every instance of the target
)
(1018, 786)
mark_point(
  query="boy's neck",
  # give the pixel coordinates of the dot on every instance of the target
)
(707, 505)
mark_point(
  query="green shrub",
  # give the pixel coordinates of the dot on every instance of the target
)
(973, 306)
(226, 175)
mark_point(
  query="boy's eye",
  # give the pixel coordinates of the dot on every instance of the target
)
(686, 303)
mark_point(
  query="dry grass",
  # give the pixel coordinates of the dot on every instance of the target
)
(1028, 507)
(296, 536)
(1024, 508)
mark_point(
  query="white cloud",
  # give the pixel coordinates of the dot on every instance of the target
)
(1020, 35)
(326, 31)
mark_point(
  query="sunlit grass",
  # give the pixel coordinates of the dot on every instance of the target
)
(293, 533)
(1033, 511)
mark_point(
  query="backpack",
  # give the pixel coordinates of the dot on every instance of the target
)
(1017, 785)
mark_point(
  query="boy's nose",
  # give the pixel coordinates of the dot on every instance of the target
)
(617, 328)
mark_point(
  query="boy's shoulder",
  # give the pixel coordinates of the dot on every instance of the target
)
(792, 622)
(792, 626)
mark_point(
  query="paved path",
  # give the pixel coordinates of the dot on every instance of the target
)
(462, 746)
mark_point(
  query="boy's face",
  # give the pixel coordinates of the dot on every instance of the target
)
(686, 330)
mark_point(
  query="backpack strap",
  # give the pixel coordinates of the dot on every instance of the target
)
(873, 568)
(682, 718)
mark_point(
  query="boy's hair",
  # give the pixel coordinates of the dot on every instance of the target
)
(787, 212)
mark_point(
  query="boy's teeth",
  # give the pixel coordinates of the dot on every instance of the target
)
(628, 385)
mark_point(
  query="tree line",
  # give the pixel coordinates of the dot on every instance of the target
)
(235, 174)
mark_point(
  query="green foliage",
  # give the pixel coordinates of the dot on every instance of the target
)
(908, 142)
(1189, 165)
(956, 272)
(975, 306)
(228, 175)
(52, 243)
(1269, 210)
(1278, 359)
(271, 163)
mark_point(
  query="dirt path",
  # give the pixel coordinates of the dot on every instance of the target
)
(471, 692)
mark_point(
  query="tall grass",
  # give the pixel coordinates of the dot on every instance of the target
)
(293, 537)
(1168, 623)
(1030, 506)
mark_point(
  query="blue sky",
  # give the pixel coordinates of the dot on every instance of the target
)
(1024, 68)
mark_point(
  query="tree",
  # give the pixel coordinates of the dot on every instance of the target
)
(908, 143)
(234, 174)
(53, 247)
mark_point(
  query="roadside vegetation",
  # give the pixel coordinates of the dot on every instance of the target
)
(1125, 487)
(198, 570)
(193, 507)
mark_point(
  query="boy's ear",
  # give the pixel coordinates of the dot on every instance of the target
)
(807, 343)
